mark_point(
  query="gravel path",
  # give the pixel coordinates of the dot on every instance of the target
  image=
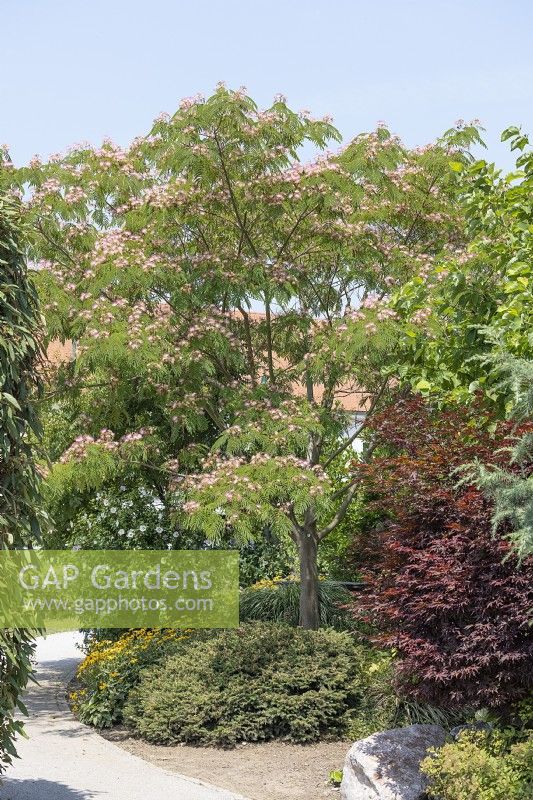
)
(65, 760)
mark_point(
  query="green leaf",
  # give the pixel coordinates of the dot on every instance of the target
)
(514, 176)
(509, 133)
(10, 399)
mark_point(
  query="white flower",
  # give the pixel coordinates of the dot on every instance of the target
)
(142, 528)
(113, 510)
(159, 529)
(130, 534)
(121, 532)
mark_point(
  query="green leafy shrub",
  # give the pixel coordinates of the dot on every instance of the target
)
(19, 486)
(113, 666)
(258, 682)
(338, 553)
(264, 557)
(19, 316)
(278, 600)
(481, 766)
(16, 650)
(115, 661)
(125, 516)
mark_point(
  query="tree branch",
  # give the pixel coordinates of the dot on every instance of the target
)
(347, 442)
(55, 244)
(270, 354)
(233, 199)
(249, 345)
(339, 516)
(214, 416)
(303, 215)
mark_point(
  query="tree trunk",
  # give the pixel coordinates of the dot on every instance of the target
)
(309, 602)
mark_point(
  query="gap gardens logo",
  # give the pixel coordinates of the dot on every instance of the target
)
(60, 589)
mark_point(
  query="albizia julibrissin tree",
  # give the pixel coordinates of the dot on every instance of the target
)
(447, 593)
(153, 259)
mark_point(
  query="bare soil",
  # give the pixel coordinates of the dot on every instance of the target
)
(269, 771)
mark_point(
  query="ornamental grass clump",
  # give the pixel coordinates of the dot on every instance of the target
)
(112, 667)
(259, 682)
(278, 600)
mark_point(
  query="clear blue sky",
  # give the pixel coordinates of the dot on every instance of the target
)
(73, 70)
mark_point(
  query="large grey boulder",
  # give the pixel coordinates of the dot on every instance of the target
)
(385, 766)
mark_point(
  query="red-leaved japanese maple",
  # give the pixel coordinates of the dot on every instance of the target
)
(446, 593)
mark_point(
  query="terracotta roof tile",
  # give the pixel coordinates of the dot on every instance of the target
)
(349, 396)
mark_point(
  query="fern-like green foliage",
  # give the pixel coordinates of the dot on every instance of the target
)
(512, 492)
(513, 503)
(153, 257)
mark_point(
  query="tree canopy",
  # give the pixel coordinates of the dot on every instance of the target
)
(224, 298)
(476, 303)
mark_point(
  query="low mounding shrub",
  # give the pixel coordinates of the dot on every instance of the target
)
(481, 766)
(113, 666)
(115, 662)
(446, 593)
(254, 683)
(278, 600)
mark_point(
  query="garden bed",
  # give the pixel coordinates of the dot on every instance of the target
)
(267, 771)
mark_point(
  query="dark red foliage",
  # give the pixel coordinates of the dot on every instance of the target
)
(446, 593)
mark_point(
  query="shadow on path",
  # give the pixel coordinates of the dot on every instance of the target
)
(64, 760)
(51, 678)
(44, 790)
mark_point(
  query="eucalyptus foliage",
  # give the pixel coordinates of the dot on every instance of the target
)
(19, 498)
(19, 320)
